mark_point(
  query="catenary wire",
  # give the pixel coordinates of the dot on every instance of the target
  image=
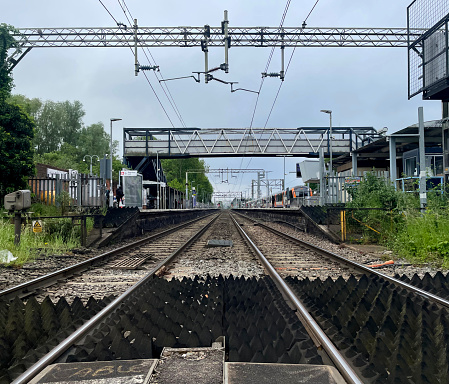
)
(107, 10)
(286, 69)
(285, 74)
(270, 56)
(169, 96)
(154, 91)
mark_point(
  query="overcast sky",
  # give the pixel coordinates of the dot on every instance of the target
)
(362, 86)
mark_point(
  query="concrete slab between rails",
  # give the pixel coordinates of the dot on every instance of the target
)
(219, 243)
(190, 366)
(263, 373)
(98, 372)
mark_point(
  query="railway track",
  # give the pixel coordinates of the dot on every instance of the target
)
(110, 273)
(325, 264)
(352, 319)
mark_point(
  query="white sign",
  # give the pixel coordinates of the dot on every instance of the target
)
(128, 173)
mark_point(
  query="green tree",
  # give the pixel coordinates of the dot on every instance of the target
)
(16, 148)
(61, 159)
(31, 106)
(175, 172)
(58, 123)
(7, 42)
(47, 138)
(16, 127)
(72, 123)
(93, 140)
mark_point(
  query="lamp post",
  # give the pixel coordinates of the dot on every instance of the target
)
(330, 143)
(91, 157)
(283, 178)
(111, 201)
(157, 178)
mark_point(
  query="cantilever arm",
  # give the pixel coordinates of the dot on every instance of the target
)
(242, 89)
(182, 77)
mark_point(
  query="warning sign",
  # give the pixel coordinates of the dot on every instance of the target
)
(37, 226)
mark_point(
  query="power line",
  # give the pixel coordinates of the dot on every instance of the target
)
(148, 80)
(270, 56)
(286, 70)
(287, 5)
(107, 10)
(170, 98)
(288, 65)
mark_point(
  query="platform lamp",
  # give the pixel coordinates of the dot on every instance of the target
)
(111, 201)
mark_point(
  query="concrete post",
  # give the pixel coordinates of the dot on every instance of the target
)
(392, 144)
(354, 163)
(422, 161)
(322, 181)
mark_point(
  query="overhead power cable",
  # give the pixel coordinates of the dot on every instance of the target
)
(270, 56)
(169, 96)
(288, 65)
(107, 10)
(148, 80)
(286, 70)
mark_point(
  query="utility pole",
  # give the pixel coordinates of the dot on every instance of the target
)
(260, 175)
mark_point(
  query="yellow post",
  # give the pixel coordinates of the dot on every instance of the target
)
(343, 225)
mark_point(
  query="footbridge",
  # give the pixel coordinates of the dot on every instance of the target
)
(142, 146)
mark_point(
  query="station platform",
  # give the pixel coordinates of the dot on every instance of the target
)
(186, 366)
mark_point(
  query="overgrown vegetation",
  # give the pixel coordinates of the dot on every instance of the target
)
(58, 236)
(412, 234)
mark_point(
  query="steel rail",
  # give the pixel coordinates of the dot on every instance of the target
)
(334, 354)
(356, 266)
(27, 288)
(57, 351)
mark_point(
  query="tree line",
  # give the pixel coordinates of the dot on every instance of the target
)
(53, 133)
(60, 137)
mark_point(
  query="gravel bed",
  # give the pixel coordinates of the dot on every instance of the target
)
(363, 254)
(237, 260)
(11, 275)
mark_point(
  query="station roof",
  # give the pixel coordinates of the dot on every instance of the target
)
(407, 139)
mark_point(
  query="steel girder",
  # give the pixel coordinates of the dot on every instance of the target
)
(193, 36)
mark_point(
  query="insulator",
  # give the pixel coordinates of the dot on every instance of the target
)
(148, 67)
(271, 74)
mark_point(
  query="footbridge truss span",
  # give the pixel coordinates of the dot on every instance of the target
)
(147, 143)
